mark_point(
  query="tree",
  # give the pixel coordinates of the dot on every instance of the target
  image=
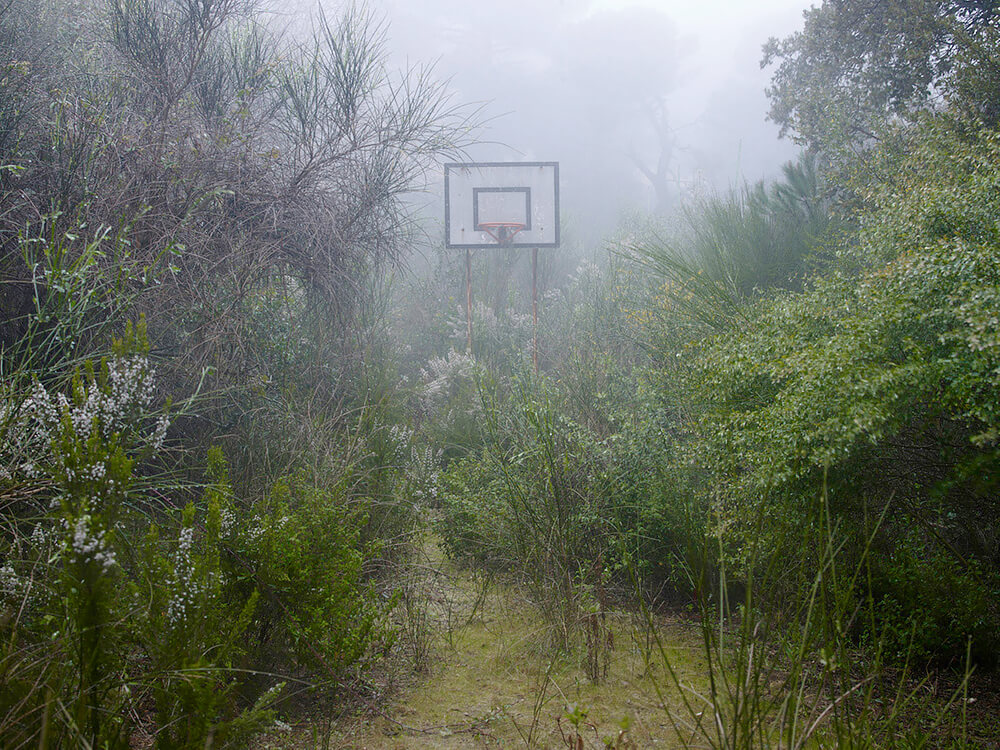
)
(659, 176)
(259, 178)
(859, 65)
(877, 382)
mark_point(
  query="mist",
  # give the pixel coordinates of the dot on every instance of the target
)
(712, 461)
(642, 103)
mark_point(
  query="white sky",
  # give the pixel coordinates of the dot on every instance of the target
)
(706, 12)
(530, 61)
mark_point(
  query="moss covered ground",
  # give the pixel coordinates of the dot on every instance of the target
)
(481, 667)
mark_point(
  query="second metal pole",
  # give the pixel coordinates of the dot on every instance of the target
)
(534, 304)
(468, 301)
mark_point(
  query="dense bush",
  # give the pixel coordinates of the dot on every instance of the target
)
(240, 189)
(534, 502)
(300, 552)
(880, 376)
(779, 408)
(252, 183)
(869, 381)
(101, 628)
(92, 625)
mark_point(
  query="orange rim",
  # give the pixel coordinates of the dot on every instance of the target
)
(502, 232)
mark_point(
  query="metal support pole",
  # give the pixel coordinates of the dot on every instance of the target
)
(534, 304)
(468, 301)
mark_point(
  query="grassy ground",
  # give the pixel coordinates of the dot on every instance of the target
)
(485, 672)
(477, 666)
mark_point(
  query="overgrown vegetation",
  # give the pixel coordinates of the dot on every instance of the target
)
(200, 471)
(222, 432)
(778, 412)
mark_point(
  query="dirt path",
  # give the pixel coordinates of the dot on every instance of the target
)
(487, 674)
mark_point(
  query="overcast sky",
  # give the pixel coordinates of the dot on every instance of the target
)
(607, 85)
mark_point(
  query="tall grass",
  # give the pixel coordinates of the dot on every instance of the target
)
(530, 503)
(789, 672)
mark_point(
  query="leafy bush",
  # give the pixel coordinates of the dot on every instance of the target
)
(473, 525)
(930, 606)
(100, 629)
(91, 627)
(300, 550)
(533, 501)
(192, 634)
(881, 376)
(663, 509)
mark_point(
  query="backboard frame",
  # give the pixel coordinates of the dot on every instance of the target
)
(480, 238)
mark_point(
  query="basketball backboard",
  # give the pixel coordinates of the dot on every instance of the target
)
(514, 204)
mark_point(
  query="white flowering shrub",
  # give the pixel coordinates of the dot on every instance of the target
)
(68, 455)
(418, 466)
(92, 625)
(451, 403)
(195, 630)
(423, 475)
(502, 339)
(444, 377)
(45, 433)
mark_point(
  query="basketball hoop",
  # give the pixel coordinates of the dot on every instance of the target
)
(502, 232)
(506, 204)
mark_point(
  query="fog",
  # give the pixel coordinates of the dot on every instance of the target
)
(642, 103)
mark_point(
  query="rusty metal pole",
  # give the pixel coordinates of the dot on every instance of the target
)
(468, 301)
(534, 304)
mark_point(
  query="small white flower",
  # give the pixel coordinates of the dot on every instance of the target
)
(272, 692)
(160, 432)
(183, 584)
(90, 547)
(38, 536)
(227, 520)
(11, 584)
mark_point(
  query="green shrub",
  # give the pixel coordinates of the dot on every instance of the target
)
(300, 549)
(98, 627)
(662, 509)
(879, 381)
(192, 635)
(534, 503)
(473, 521)
(930, 607)
(92, 625)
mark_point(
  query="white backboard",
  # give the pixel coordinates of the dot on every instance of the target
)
(508, 192)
